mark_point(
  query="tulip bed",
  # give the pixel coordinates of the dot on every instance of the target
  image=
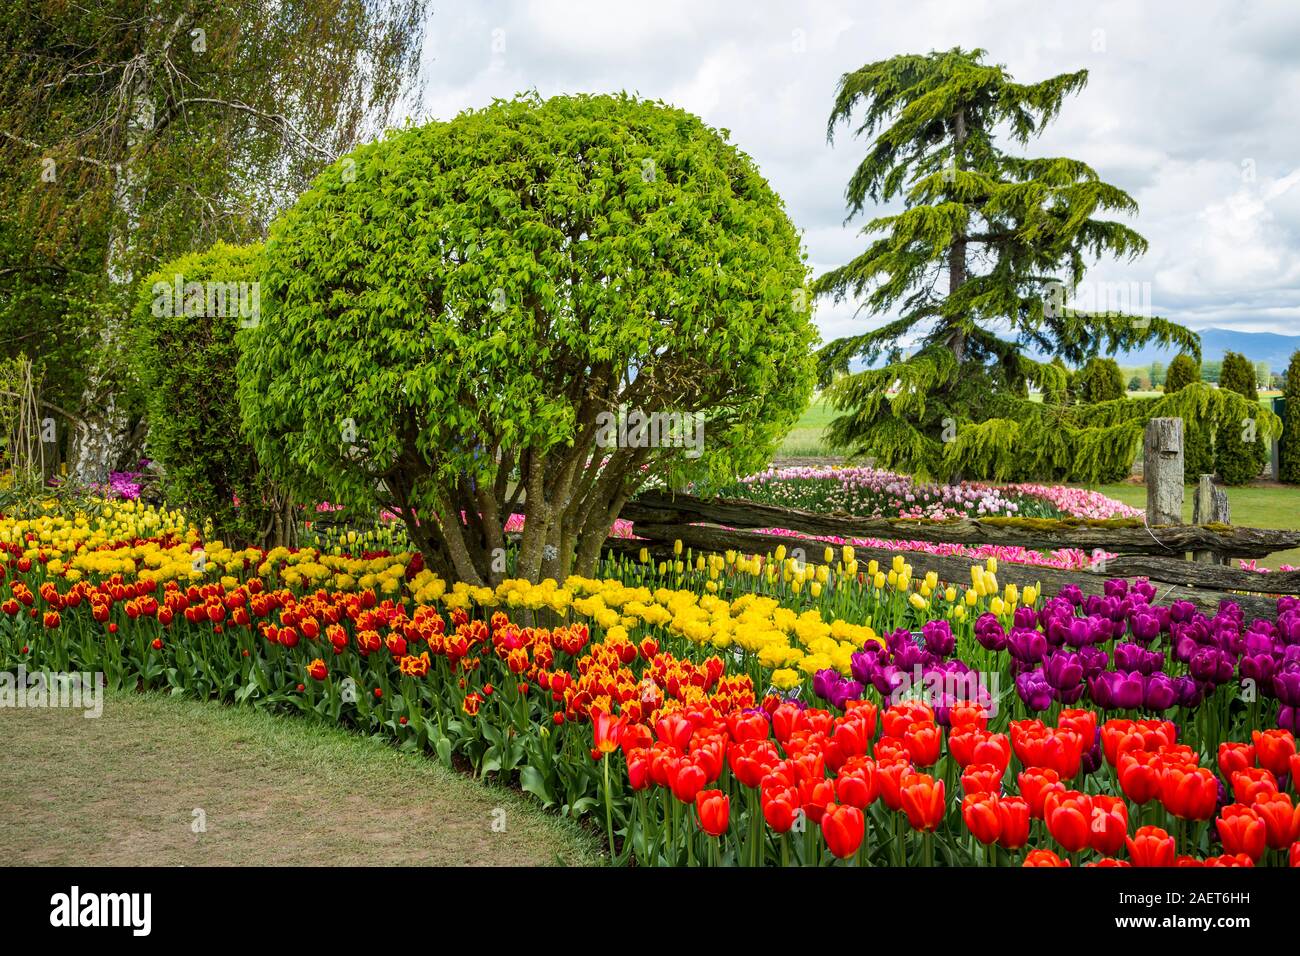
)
(723, 709)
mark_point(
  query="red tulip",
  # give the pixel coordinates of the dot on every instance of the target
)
(1293, 856)
(1082, 721)
(780, 808)
(890, 773)
(1063, 752)
(752, 759)
(1068, 816)
(923, 801)
(714, 810)
(687, 780)
(1242, 831)
(607, 731)
(965, 715)
(317, 670)
(981, 778)
(1109, 826)
(1151, 846)
(1044, 858)
(857, 784)
(1189, 794)
(747, 725)
(783, 721)
(1234, 756)
(979, 811)
(843, 828)
(638, 769)
(1139, 775)
(1035, 784)
(816, 795)
(1013, 822)
(1281, 819)
(923, 742)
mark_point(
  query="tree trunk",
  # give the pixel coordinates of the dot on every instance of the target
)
(101, 437)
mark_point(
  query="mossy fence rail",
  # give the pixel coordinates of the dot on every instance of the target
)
(1131, 547)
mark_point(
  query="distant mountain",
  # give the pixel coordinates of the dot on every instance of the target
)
(1268, 347)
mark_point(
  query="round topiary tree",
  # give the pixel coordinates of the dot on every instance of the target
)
(1197, 443)
(1100, 380)
(1289, 446)
(1239, 449)
(188, 316)
(535, 307)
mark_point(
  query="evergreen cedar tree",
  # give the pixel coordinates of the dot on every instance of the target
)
(1289, 451)
(452, 315)
(185, 353)
(978, 266)
(1239, 450)
(1198, 438)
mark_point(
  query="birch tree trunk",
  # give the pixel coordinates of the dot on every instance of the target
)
(101, 437)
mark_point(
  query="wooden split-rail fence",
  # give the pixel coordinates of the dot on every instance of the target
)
(1187, 562)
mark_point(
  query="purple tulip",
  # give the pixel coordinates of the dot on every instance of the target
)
(938, 637)
(1063, 671)
(1160, 692)
(1034, 690)
(1286, 685)
(1027, 646)
(1145, 627)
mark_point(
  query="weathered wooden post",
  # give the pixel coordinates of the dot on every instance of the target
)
(1162, 464)
(1210, 506)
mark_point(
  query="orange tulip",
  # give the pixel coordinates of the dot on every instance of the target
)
(1151, 846)
(923, 801)
(1252, 782)
(1274, 749)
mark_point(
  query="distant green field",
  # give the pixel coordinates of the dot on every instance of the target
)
(806, 438)
(1256, 506)
(1252, 507)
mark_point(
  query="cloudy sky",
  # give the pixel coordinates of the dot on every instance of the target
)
(1191, 108)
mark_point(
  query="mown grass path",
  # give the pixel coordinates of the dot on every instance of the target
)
(123, 790)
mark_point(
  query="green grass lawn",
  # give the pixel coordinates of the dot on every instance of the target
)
(1252, 506)
(123, 789)
(806, 438)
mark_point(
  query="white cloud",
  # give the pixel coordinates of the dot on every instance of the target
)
(1176, 104)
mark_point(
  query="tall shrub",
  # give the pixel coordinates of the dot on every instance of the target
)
(1290, 445)
(188, 317)
(1197, 434)
(1239, 447)
(456, 316)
